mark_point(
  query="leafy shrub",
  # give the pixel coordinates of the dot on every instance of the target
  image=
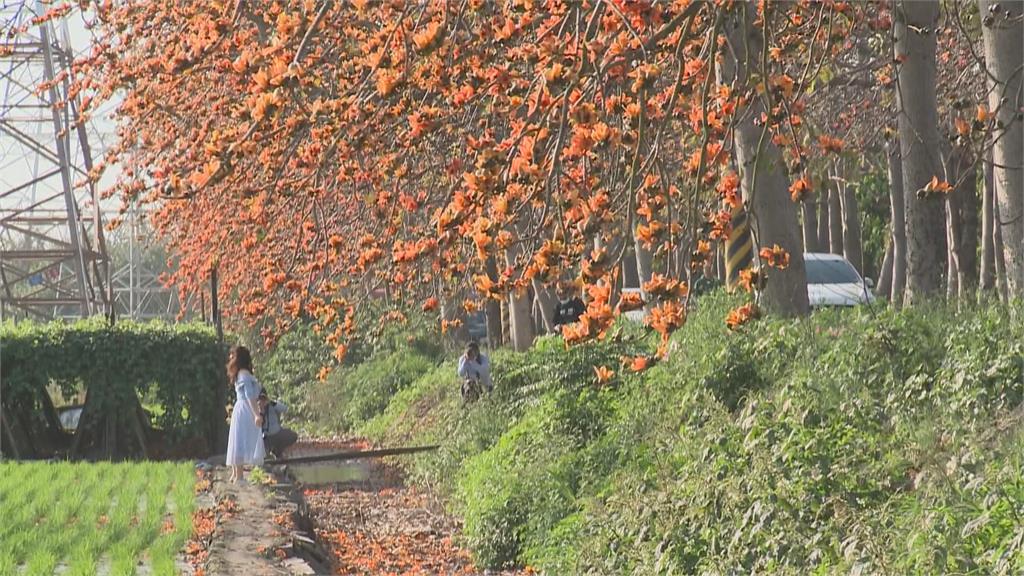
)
(291, 367)
(873, 441)
(180, 366)
(353, 395)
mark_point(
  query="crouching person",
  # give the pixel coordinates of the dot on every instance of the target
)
(275, 437)
(475, 371)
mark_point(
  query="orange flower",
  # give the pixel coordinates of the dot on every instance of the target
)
(666, 318)
(728, 188)
(431, 304)
(630, 301)
(666, 288)
(936, 186)
(962, 127)
(340, 352)
(324, 372)
(647, 234)
(447, 325)
(603, 374)
(800, 188)
(639, 363)
(830, 144)
(751, 279)
(776, 257)
(428, 38)
(742, 315)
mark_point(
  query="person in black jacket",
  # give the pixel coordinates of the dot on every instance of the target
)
(569, 308)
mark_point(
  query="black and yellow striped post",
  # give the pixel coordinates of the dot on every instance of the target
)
(739, 247)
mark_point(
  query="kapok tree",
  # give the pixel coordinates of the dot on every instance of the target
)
(316, 152)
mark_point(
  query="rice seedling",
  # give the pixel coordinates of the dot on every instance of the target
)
(94, 517)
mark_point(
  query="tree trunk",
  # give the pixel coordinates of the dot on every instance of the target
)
(835, 220)
(1003, 38)
(521, 333)
(970, 222)
(493, 309)
(952, 213)
(1000, 255)
(987, 282)
(810, 221)
(8, 442)
(521, 323)
(899, 224)
(851, 227)
(644, 265)
(506, 322)
(953, 243)
(915, 26)
(720, 262)
(764, 183)
(546, 301)
(630, 275)
(884, 286)
(823, 220)
(960, 169)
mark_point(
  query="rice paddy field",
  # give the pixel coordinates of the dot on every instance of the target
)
(89, 519)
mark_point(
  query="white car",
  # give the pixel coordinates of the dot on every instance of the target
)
(833, 281)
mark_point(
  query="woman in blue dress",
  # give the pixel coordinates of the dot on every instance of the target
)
(245, 439)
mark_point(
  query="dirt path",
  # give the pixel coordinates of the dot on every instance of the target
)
(372, 523)
(257, 530)
(355, 518)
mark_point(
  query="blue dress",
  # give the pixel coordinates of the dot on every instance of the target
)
(245, 439)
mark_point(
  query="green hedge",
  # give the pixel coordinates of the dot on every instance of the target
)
(180, 366)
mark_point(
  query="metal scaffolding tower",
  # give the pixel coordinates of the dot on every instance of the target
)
(53, 255)
(137, 267)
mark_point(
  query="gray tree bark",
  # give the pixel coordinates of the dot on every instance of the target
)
(987, 281)
(835, 220)
(1002, 286)
(823, 220)
(493, 309)
(546, 300)
(520, 322)
(884, 286)
(899, 224)
(644, 265)
(521, 333)
(810, 221)
(852, 248)
(764, 183)
(953, 272)
(970, 217)
(1003, 38)
(917, 118)
(961, 232)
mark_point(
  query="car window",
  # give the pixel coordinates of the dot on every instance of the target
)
(831, 272)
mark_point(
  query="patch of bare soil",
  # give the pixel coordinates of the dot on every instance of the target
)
(257, 530)
(380, 526)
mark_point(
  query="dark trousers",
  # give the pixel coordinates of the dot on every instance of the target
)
(276, 443)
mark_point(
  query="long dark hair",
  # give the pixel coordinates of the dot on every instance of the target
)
(238, 359)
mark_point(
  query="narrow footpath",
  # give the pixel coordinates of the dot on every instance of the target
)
(355, 518)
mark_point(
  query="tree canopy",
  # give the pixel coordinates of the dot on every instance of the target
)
(316, 152)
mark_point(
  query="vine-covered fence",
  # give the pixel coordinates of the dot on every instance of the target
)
(178, 368)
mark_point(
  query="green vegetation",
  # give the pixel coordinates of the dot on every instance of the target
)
(179, 367)
(855, 441)
(90, 515)
(380, 362)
